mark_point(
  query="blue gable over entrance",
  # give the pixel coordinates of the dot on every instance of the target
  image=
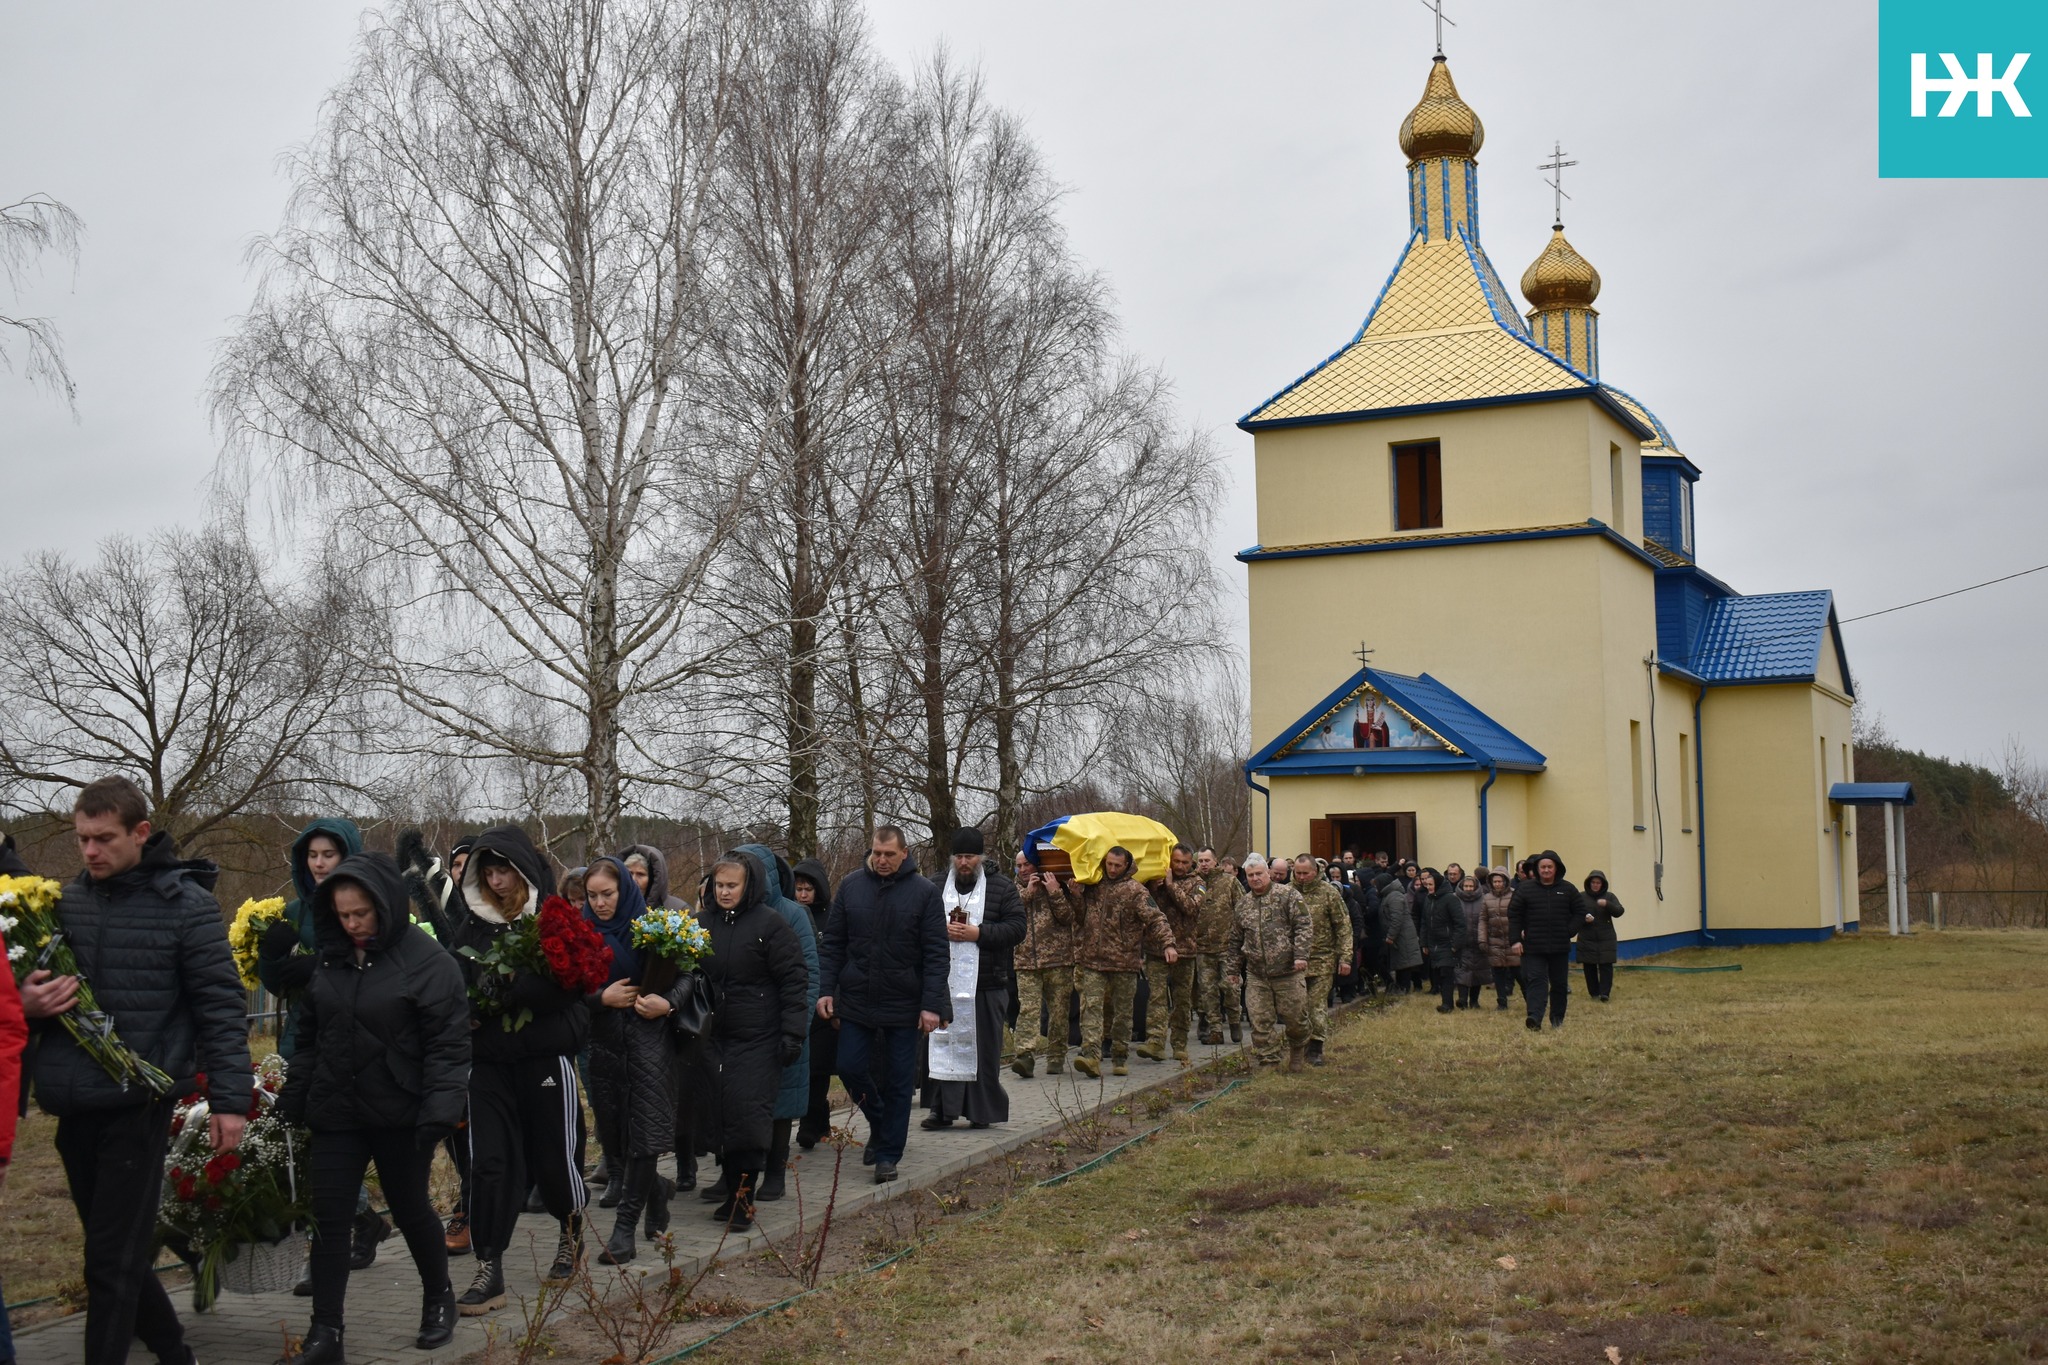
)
(1380, 722)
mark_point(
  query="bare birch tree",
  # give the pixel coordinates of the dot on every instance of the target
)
(29, 229)
(476, 347)
(177, 663)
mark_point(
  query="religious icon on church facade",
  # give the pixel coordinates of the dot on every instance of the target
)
(1366, 721)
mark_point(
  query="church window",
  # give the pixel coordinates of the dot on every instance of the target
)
(1418, 486)
(1635, 772)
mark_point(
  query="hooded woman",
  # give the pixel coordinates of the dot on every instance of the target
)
(793, 1093)
(524, 1105)
(1495, 937)
(379, 1075)
(649, 866)
(632, 1061)
(814, 893)
(1403, 945)
(1473, 967)
(1599, 945)
(756, 969)
(1444, 923)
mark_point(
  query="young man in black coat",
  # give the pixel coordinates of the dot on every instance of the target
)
(147, 931)
(882, 974)
(1543, 918)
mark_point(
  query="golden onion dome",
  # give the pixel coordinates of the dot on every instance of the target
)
(1560, 277)
(1442, 124)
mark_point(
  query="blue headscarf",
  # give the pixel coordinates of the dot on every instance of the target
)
(617, 932)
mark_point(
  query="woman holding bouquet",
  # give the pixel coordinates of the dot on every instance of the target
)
(632, 1061)
(379, 1074)
(757, 969)
(524, 1105)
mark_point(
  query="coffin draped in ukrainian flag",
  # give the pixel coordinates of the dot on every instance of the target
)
(1084, 839)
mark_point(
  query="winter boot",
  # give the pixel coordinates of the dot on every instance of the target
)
(635, 1185)
(1025, 1064)
(614, 1182)
(437, 1320)
(737, 1212)
(778, 1162)
(568, 1251)
(686, 1169)
(457, 1236)
(486, 1291)
(322, 1346)
(371, 1228)
(1294, 1059)
(717, 1192)
(657, 1206)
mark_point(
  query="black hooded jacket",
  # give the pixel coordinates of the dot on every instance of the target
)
(152, 943)
(383, 1043)
(560, 1024)
(763, 985)
(885, 958)
(812, 871)
(1598, 941)
(1545, 919)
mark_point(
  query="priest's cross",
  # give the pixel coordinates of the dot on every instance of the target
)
(1441, 19)
(1556, 166)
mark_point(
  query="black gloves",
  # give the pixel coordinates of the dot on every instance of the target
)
(281, 939)
(792, 1048)
(428, 1136)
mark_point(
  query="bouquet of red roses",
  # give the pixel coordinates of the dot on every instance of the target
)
(557, 943)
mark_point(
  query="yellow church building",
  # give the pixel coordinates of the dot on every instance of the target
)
(1548, 666)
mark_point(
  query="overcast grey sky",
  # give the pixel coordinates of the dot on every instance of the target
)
(1855, 363)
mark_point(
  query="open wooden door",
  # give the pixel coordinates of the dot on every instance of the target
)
(1322, 838)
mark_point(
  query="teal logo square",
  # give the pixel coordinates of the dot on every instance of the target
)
(1962, 89)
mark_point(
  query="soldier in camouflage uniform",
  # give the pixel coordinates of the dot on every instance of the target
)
(1170, 1000)
(1221, 891)
(1268, 951)
(1044, 965)
(1118, 920)
(1329, 952)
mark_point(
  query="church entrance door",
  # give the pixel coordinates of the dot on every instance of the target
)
(1389, 832)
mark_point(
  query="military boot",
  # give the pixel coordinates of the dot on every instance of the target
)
(1088, 1067)
(1154, 1050)
(1294, 1058)
(1315, 1052)
(1212, 1037)
(1024, 1064)
(1236, 1032)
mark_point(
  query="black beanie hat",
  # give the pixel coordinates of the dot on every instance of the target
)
(967, 841)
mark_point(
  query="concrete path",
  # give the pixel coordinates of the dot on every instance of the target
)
(383, 1301)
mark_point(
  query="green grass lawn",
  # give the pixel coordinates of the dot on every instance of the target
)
(1835, 1154)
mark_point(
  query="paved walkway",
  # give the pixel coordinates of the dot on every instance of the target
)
(383, 1302)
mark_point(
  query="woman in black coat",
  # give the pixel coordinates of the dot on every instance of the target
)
(814, 894)
(1443, 933)
(380, 1073)
(632, 1061)
(1599, 945)
(757, 973)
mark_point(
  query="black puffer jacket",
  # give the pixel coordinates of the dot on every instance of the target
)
(760, 1025)
(632, 1064)
(1448, 930)
(1002, 928)
(152, 943)
(560, 1024)
(885, 956)
(383, 1043)
(1597, 940)
(1545, 919)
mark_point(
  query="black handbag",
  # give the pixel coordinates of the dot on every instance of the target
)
(690, 1020)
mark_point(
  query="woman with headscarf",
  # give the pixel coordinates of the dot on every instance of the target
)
(756, 970)
(1599, 945)
(1397, 923)
(632, 1061)
(1443, 925)
(1473, 968)
(1495, 936)
(380, 1075)
(814, 893)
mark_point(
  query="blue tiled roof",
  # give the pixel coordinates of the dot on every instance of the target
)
(1771, 637)
(1481, 741)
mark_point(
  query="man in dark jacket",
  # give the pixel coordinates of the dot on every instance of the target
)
(147, 931)
(984, 924)
(882, 974)
(1544, 916)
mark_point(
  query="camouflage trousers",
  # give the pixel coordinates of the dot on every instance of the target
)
(1271, 1002)
(1210, 989)
(1320, 975)
(1049, 988)
(1106, 1013)
(1170, 1004)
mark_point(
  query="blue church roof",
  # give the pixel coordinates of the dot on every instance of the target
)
(1469, 738)
(1769, 637)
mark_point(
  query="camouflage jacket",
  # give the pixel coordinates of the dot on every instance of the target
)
(1048, 931)
(1118, 922)
(1181, 903)
(1221, 891)
(1272, 934)
(1330, 918)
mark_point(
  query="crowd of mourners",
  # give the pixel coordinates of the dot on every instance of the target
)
(913, 991)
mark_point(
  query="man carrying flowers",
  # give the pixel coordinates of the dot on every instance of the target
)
(147, 936)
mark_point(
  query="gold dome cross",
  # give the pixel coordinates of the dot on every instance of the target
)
(1441, 19)
(1556, 166)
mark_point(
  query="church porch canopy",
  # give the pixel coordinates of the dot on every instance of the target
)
(1380, 722)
